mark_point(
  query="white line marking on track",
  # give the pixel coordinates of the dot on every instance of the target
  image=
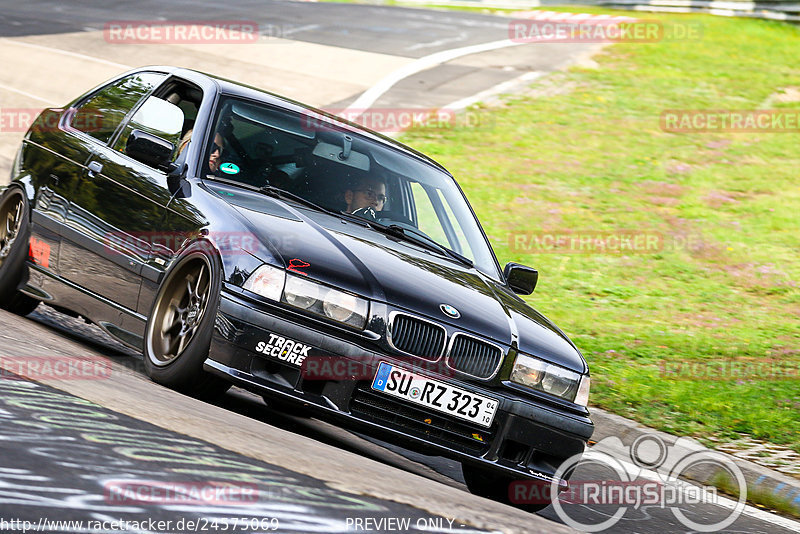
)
(719, 500)
(371, 95)
(298, 29)
(23, 93)
(68, 53)
(459, 37)
(497, 89)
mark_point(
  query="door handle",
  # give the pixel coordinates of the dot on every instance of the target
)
(94, 168)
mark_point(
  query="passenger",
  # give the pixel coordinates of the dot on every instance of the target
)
(184, 141)
(214, 159)
(366, 198)
(216, 149)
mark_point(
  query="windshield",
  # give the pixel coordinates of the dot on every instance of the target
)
(307, 156)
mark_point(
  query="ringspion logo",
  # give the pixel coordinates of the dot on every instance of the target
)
(652, 476)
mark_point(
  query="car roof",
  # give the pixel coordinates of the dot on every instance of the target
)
(234, 88)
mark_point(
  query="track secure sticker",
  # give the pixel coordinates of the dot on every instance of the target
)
(284, 349)
(229, 168)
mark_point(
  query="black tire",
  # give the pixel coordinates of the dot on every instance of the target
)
(178, 332)
(14, 238)
(21, 304)
(484, 483)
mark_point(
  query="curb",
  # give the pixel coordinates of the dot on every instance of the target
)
(608, 425)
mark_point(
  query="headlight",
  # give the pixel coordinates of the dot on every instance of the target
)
(339, 306)
(542, 376)
(582, 397)
(276, 284)
(266, 281)
(300, 292)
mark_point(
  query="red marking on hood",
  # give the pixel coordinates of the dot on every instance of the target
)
(295, 264)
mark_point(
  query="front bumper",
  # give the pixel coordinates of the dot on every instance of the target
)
(527, 440)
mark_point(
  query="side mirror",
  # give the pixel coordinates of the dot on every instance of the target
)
(149, 149)
(521, 279)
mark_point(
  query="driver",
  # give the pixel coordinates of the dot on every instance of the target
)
(367, 197)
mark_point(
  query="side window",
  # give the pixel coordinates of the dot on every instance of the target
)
(102, 113)
(157, 117)
(427, 220)
(461, 244)
(435, 217)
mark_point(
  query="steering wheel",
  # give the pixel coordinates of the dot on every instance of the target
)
(388, 217)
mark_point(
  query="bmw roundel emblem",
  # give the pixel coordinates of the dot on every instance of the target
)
(450, 311)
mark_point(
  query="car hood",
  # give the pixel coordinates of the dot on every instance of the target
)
(350, 256)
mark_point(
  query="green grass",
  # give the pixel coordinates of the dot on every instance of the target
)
(584, 151)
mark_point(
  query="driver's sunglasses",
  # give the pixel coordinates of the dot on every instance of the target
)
(215, 147)
(372, 195)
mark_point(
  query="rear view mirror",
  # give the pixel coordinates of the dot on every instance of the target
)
(149, 149)
(521, 279)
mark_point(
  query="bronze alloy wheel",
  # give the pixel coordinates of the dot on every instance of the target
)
(179, 311)
(181, 324)
(11, 214)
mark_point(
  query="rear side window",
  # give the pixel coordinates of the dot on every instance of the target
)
(102, 113)
(169, 113)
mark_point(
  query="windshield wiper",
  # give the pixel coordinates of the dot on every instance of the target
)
(277, 192)
(420, 238)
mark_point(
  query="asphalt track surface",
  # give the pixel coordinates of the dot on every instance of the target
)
(326, 55)
(404, 33)
(68, 462)
(66, 458)
(62, 460)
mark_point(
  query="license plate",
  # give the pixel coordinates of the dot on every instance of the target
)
(439, 396)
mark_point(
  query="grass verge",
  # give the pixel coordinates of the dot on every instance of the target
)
(699, 335)
(759, 497)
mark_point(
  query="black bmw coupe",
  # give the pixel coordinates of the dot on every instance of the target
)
(238, 237)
